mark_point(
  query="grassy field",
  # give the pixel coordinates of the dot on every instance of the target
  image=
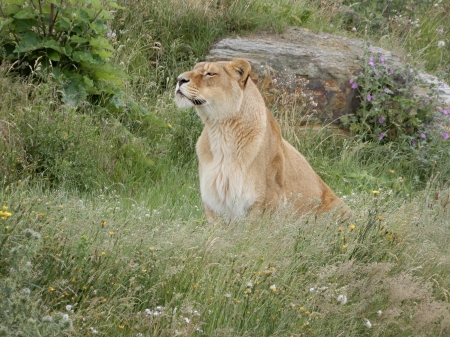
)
(102, 228)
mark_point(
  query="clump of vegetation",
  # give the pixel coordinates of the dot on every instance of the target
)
(102, 267)
(102, 231)
(391, 112)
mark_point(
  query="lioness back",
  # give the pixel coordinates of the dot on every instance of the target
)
(244, 163)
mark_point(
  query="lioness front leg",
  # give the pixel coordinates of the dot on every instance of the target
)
(210, 214)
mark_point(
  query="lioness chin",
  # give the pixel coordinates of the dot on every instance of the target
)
(245, 165)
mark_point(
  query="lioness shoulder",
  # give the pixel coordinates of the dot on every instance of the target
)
(244, 162)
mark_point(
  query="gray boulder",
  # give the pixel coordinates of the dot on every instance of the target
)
(300, 65)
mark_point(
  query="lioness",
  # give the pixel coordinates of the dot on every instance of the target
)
(244, 163)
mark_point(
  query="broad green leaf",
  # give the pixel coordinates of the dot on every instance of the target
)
(26, 13)
(24, 25)
(82, 56)
(16, 2)
(98, 27)
(62, 25)
(55, 45)
(5, 22)
(104, 55)
(78, 39)
(10, 9)
(88, 82)
(53, 55)
(100, 43)
(96, 4)
(114, 4)
(30, 41)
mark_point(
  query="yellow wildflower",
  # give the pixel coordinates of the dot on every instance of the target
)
(352, 227)
(111, 233)
(375, 192)
(380, 218)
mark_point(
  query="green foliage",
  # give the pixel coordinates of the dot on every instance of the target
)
(391, 112)
(184, 135)
(65, 146)
(65, 38)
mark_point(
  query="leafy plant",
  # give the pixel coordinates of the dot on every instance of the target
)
(390, 112)
(68, 39)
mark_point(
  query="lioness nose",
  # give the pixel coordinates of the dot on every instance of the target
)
(182, 80)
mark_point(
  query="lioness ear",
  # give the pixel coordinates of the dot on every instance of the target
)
(198, 65)
(243, 68)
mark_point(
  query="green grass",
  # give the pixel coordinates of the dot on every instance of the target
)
(102, 230)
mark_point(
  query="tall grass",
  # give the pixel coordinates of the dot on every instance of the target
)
(102, 230)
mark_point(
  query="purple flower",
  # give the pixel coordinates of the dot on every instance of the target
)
(351, 80)
(354, 85)
(445, 135)
(446, 111)
(380, 136)
(382, 60)
(371, 62)
(381, 120)
(413, 143)
(411, 70)
(369, 97)
(422, 135)
(392, 71)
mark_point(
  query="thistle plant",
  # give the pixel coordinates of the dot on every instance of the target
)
(391, 113)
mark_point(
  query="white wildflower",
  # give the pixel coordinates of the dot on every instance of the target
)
(312, 290)
(94, 331)
(367, 323)
(273, 287)
(69, 308)
(342, 299)
(47, 319)
(379, 313)
(441, 44)
(354, 29)
(187, 320)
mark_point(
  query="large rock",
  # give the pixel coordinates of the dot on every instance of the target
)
(301, 66)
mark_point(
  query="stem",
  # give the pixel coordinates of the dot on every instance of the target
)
(40, 17)
(95, 18)
(11, 31)
(52, 19)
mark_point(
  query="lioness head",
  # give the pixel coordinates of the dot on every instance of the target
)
(214, 88)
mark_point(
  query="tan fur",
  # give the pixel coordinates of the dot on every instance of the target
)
(244, 163)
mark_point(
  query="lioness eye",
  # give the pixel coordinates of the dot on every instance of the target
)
(210, 74)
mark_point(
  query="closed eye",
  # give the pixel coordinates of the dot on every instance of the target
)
(209, 74)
